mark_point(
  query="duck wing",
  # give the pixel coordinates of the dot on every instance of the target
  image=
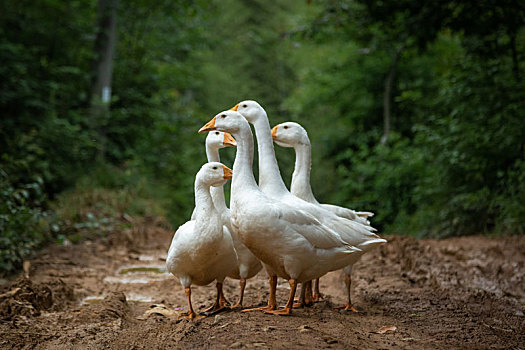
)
(348, 213)
(305, 224)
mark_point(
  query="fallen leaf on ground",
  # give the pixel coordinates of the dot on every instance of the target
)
(386, 329)
(159, 309)
(10, 293)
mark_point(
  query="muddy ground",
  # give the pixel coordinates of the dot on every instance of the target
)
(455, 293)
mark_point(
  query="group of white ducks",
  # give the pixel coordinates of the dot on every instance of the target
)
(288, 232)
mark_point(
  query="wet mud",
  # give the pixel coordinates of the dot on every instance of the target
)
(115, 293)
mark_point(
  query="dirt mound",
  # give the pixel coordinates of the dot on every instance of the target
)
(487, 267)
(469, 286)
(431, 294)
(25, 299)
(113, 307)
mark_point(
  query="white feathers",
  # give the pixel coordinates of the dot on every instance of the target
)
(202, 249)
(293, 235)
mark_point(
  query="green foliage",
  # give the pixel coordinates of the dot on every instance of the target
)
(99, 202)
(475, 134)
(508, 203)
(453, 163)
(46, 131)
(23, 224)
(43, 88)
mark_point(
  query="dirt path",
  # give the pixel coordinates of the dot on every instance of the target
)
(455, 293)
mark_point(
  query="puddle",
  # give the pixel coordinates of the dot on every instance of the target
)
(132, 297)
(135, 279)
(146, 258)
(92, 299)
(139, 274)
(138, 298)
(150, 269)
(142, 269)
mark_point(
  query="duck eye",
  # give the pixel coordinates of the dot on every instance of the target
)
(286, 127)
(214, 168)
(244, 106)
(216, 133)
(223, 116)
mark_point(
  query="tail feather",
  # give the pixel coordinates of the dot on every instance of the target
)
(365, 246)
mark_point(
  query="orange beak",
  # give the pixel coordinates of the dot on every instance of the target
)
(228, 173)
(234, 108)
(209, 126)
(274, 131)
(229, 140)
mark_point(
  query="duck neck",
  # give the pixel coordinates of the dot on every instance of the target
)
(301, 175)
(242, 166)
(204, 209)
(270, 180)
(217, 193)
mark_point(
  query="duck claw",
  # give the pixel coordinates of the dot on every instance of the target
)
(347, 307)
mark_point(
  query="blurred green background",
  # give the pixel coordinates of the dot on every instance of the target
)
(415, 109)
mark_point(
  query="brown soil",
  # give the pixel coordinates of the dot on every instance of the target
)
(439, 294)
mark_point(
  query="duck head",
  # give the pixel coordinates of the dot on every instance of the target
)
(251, 110)
(228, 121)
(290, 134)
(214, 174)
(219, 139)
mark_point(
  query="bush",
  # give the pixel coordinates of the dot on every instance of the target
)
(23, 223)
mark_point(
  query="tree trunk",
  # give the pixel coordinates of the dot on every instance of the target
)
(102, 69)
(387, 96)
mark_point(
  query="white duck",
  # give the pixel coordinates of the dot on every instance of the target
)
(271, 183)
(202, 249)
(289, 241)
(293, 135)
(248, 264)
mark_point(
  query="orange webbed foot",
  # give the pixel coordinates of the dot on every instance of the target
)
(301, 305)
(215, 309)
(317, 297)
(347, 307)
(280, 312)
(262, 308)
(209, 309)
(237, 306)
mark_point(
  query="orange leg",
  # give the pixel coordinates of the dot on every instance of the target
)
(305, 298)
(289, 305)
(348, 306)
(308, 298)
(272, 303)
(223, 301)
(191, 315)
(220, 302)
(238, 305)
(317, 293)
(300, 303)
